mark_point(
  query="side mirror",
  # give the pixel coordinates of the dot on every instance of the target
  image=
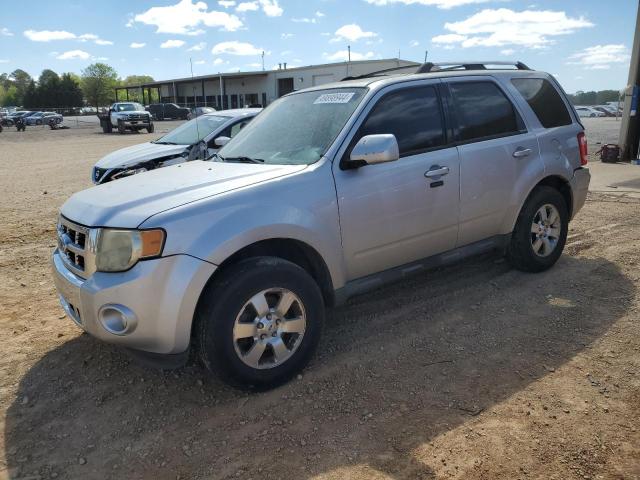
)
(221, 141)
(373, 149)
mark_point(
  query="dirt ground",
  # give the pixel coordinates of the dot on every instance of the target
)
(474, 371)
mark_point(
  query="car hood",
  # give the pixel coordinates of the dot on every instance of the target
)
(130, 156)
(128, 202)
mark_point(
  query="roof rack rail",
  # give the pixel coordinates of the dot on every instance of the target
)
(378, 72)
(429, 67)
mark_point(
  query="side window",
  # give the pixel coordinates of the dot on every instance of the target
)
(235, 129)
(483, 111)
(544, 100)
(413, 115)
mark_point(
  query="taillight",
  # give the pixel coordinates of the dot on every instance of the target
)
(582, 144)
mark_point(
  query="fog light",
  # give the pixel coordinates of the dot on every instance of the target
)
(117, 319)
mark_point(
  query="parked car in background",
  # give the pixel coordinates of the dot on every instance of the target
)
(197, 111)
(43, 118)
(588, 112)
(329, 192)
(168, 111)
(125, 116)
(11, 118)
(606, 109)
(193, 140)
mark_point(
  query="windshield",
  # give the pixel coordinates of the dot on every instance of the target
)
(129, 107)
(296, 129)
(194, 130)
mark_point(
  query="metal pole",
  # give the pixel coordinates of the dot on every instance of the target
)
(629, 134)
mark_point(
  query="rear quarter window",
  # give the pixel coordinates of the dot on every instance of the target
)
(544, 100)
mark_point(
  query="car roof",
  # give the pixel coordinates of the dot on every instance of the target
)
(236, 112)
(381, 81)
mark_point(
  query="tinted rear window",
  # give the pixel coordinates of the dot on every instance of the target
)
(544, 100)
(484, 111)
(413, 115)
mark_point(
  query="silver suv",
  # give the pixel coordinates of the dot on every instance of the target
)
(329, 192)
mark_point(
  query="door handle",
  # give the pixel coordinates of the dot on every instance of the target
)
(436, 171)
(522, 152)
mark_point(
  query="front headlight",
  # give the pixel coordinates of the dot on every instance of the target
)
(119, 250)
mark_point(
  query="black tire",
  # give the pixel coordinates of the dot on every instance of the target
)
(121, 128)
(106, 127)
(224, 298)
(151, 128)
(520, 252)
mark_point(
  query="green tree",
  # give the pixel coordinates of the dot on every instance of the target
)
(20, 80)
(98, 83)
(70, 91)
(10, 97)
(31, 98)
(135, 95)
(49, 90)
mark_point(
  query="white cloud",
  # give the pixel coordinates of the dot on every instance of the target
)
(353, 33)
(271, 8)
(444, 4)
(197, 47)
(414, 43)
(254, 65)
(74, 55)
(137, 44)
(199, 62)
(343, 56)
(185, 16)
(319, 14)
(227, 3)
(507, 51)
(304, 20)
(172, 44)
(501, 27)
(48, 35)
(247, 7)
(219, 61)
(236, 48)
(51, 35)
(284, 36)
(4, 60)
(600, 57)
(4, 31)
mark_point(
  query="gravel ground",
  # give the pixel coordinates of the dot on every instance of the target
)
(474, 371)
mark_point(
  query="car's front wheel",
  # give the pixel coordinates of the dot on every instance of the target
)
(540, 233)
(259, 322)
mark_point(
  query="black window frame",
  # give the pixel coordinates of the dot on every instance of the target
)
(454, 114)
(443, 118)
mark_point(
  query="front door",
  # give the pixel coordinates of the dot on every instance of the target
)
(397, 212)
(495, 151)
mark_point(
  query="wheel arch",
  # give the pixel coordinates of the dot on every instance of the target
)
(562, 185)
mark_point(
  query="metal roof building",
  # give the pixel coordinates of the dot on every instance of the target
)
(241, 89)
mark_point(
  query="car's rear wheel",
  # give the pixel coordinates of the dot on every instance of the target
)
(259, 322)
(121, 127)
(540, 232)
(151, 128)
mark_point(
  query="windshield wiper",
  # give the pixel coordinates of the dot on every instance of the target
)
(165, 143)
(241, 159)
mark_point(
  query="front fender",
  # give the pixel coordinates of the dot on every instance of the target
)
(300, 207)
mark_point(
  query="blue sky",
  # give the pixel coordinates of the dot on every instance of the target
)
(585, 43)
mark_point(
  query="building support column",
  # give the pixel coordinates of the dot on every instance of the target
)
(126, 90)
(204, 97)
(630, 125)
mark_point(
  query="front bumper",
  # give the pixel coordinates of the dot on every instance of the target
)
(579, 188)
(161, 293)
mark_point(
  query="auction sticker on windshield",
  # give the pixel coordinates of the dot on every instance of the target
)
(342, 97)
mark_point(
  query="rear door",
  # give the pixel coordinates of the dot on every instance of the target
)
(496, 152)
(398, 212)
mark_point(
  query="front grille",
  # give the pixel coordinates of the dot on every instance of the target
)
(135, 116)
(73, 244)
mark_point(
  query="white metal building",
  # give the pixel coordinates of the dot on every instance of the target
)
(236, 90)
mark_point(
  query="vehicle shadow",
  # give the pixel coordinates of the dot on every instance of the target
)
(396, 368)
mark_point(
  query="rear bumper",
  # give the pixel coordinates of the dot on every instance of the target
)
(579, 188)
(159, 297)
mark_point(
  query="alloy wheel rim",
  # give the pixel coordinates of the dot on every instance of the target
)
(269, 328)
(545, 230)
